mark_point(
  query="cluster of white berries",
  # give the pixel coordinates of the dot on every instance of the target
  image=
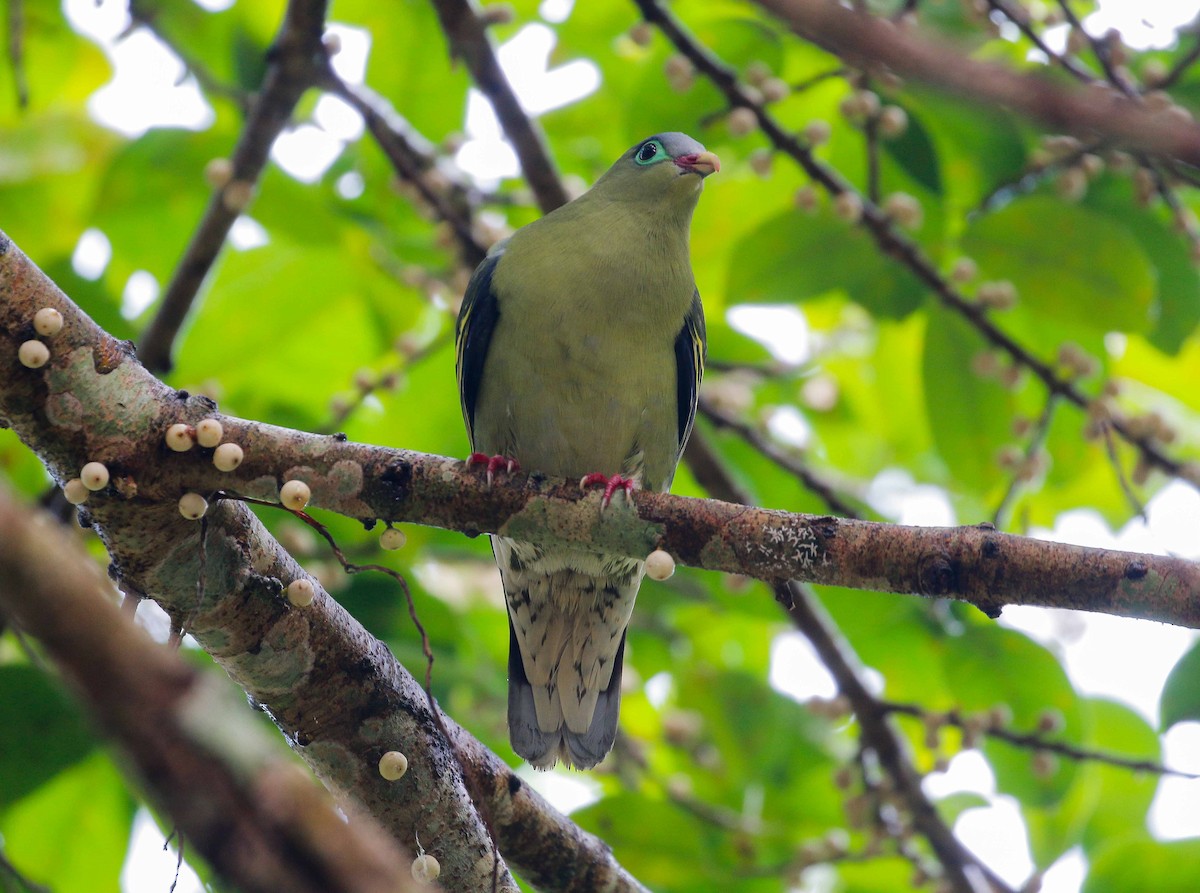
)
(34, 354)
(92, 477)
(208, 433)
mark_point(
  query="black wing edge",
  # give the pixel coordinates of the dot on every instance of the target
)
(691, 347)
(473, 335)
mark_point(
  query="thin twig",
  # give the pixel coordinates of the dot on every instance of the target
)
(469, 40)
(16, 51)
(412, 156)
(1101, 50)
(1038, 438)
(297, 60)
(1020, 17)
(788, 462)
(1037, 741)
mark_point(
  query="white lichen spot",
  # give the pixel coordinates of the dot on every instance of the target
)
(793, 544)
(393, 765)
(192, 506)
(94, 476)
(346, 477)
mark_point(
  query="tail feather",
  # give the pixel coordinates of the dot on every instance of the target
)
(544, 746)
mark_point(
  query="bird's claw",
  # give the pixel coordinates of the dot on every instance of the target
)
(494, 464)
(611, 485)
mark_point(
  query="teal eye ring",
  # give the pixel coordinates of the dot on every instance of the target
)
(650, 152)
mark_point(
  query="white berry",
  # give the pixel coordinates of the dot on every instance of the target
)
(742, 121)
(301, 592)
(393, 765)
(848, 206)
(904, 209)
(33, 354)
(75, 492)
(192, 506)
(48, 321)
(209, 433)
(295, 495)
(180, 437)
(228, 456)
(236, 195)
(94, 476)
(659, 565)
(218, 172)
(392, 539)
(425, 869)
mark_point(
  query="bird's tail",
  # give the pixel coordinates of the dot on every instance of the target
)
(542, 747)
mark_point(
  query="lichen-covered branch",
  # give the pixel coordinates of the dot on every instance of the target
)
(336, 692)
(93, 402)
(261, 824)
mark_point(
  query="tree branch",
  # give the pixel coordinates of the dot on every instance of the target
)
(338, 694)
(70, 415)
(259, 822)
(412, 157)
(469, 40)
(872, 42)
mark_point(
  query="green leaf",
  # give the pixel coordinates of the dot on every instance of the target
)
(1069, 264)
(1178, 295)
(1180, 699)
(978, 147)
(1137, 865)
(71, 834)
(41, 731)
(915, 152)
(970, 415)
(794, 257)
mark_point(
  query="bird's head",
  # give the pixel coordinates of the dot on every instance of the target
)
(666, 168)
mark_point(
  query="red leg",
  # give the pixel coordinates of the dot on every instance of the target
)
(611, 485)
(494, 464)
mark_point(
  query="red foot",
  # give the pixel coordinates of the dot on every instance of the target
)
(494, 464)
(611, 485)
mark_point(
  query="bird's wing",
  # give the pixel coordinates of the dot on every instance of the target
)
(691, 347)
(473, 335)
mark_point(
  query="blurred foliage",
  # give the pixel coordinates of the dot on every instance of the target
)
(340, 322)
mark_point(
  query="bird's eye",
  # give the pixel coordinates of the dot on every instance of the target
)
(648, 152)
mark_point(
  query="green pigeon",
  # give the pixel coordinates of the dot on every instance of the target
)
(580, 348)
